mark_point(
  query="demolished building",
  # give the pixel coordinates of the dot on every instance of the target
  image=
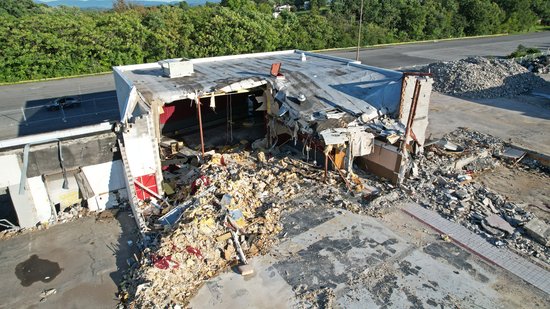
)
(45, 175)
(338, 111)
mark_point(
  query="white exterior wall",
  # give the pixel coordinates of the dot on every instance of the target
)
(11, 171)
(40, 198)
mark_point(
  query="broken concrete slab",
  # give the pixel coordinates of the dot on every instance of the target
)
(497, 222)
(539, 230)
(462, 162)
(513, 154)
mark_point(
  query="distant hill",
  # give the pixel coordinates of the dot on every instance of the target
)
(107, 4)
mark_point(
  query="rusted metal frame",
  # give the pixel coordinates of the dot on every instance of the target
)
(348, 185)
(318, 146)
(403, 85)
(408, 130)
(412, 113)
(326, 167)
(199, 114)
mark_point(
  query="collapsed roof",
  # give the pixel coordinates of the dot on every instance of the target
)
(328, 83)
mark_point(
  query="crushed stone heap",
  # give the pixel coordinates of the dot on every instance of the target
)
(479, 77)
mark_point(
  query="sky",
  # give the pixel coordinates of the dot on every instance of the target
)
(107, 3)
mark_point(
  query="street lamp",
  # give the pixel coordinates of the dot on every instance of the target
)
(359, 33)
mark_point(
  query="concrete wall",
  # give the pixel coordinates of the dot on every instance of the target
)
(10, 172)
(420, 121)
(24, 207)
(44, 184)
(44, 159)
(59, 195)
(105, 179)
(40, 198)
(123, 89)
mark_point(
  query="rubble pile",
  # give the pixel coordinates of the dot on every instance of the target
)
(238, 192)
(540, 64)
(479, 77)
(446, 184)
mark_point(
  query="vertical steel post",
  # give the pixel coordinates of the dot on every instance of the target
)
(326, 166)
(198, 103)
(359, 32)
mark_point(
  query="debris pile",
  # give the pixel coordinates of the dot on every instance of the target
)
(235, 201)
(540, 64)
(235, 197)
(479, 77)
(71, 213)
(446, 183)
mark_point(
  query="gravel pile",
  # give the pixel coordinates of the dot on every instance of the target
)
(479, 77)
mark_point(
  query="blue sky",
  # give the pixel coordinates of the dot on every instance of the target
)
(92, 1)
(109, 3)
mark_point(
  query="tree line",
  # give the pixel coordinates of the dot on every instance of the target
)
(37, 41)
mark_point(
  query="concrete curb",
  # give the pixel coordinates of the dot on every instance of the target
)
(54, 78)
(411, 42)
(526, 270)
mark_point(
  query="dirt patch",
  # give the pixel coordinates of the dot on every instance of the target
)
(529, 189)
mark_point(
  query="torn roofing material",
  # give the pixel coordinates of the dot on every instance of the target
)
(328, 83)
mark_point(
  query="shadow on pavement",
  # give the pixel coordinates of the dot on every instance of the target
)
(93, 108)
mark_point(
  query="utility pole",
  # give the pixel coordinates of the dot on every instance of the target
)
(359, 32)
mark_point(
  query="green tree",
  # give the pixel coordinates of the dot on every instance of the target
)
(18, 8)
(480, 16)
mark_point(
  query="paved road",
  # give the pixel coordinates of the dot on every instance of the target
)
(409, 55)
(99, 101)
(23, 110)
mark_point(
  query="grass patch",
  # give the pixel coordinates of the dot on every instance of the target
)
(523, 51)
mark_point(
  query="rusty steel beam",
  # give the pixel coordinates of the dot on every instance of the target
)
(198, 103)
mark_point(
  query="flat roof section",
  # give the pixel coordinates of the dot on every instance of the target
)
(327, 82)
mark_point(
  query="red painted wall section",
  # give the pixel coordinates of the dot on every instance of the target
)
(150, 182)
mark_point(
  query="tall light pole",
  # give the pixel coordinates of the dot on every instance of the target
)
(359, 33)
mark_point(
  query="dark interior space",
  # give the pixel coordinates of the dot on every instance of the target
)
(233, 119)
(7, 211)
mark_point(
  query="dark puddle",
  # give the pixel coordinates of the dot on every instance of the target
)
(35, 269)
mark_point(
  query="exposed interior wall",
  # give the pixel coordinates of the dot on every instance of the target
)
(392, 161)
(143, 154)
(107, 183)
(384, 161)
(60, 196)
(420, 121)
(105, 177)
(180, 118)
